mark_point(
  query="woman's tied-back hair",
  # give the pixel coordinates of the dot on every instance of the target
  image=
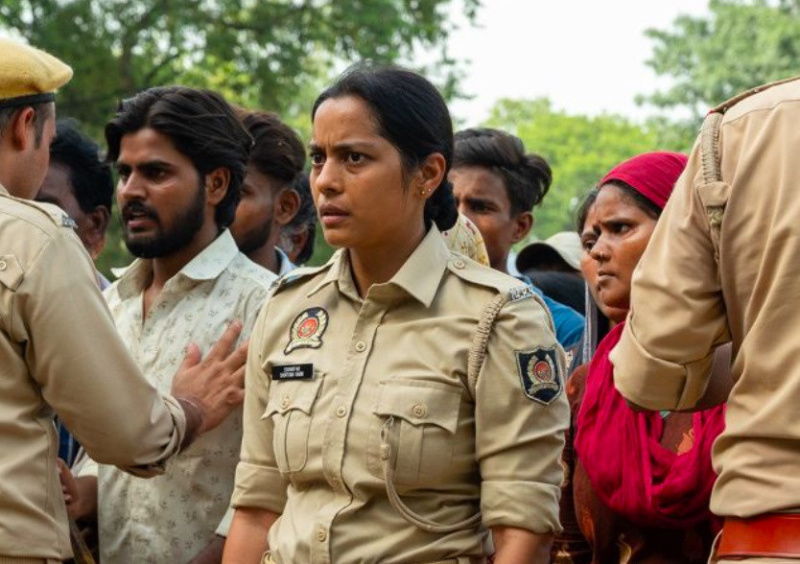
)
(527, 177)
(201, 125)
(412, 116)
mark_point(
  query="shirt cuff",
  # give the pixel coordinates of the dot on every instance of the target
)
(259, 487)
(225, 525)
(656, 384)
(523, 505)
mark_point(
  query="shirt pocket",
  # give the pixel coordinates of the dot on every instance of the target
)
(424, 418)
(290, 406)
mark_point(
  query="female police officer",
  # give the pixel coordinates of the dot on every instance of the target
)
(401, 401)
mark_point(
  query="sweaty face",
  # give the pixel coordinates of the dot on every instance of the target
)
(252, 225)
(614, 236)
(482, 197)
(357, 181)
(160, 194)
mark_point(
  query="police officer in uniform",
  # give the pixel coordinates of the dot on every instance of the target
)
(59, 351)
(722, 266)
(403, 404)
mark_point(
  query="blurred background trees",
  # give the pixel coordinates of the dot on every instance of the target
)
(278, 54)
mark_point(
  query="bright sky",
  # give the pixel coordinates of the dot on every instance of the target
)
(587, 56)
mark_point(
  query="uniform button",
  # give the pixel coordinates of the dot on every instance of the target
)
(361, 346)
(341, 411)
(3, 265)
(321, 535)
(459, 263)
(419, 410)
(285, 403)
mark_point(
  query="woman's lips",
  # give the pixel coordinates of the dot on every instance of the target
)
(331, 216)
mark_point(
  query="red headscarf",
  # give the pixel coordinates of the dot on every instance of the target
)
(653, 175)
(620, 449)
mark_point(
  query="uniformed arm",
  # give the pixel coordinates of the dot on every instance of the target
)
(519, 436)
(83, 368)
(259, 484)
(677, 316)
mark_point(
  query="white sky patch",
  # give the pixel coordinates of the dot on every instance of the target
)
(587, 56)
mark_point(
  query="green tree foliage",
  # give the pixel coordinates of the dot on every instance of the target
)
(259, 53)
(739, 45)
(579, 148)
(271, 54)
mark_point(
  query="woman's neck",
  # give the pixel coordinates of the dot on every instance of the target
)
(377, 265)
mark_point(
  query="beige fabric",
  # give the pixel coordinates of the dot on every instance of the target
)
(465, 238)
(173, 517)
(312, 448)
(59, 349)
(684, 303)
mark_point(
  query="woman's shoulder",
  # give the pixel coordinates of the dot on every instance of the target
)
(299, 278)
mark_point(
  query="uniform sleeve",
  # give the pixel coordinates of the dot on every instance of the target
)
(677, 316)
(520, 423)
(83, 368)
(259, 483)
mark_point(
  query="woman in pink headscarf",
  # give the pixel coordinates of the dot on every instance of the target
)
(640, 483)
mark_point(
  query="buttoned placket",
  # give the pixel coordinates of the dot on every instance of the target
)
(371, 313)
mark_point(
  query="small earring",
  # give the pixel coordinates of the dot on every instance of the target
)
(423, 191)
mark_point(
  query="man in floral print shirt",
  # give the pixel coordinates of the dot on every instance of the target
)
(181, 156)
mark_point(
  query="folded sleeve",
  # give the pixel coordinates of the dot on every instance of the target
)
(677, 316)
(521, 414)
(259, 483)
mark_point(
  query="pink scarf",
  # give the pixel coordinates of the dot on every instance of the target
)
(628, 468)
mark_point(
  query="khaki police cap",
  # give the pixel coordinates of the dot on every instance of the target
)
(28, 75)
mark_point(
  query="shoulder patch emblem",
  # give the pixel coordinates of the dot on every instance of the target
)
(307, 330)
(540, 374)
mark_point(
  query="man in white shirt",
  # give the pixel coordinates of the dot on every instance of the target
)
(181, 156)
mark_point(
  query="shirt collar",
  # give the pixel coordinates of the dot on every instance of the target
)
(419, 276)
(206, 265)
(3, 191)
(284, 264)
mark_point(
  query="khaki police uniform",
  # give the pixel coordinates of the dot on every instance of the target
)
(369, 429)
(59, 351)
(724, 265)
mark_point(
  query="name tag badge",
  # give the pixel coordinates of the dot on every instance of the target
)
(293, 372)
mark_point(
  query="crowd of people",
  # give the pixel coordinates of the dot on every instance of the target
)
(620, 394)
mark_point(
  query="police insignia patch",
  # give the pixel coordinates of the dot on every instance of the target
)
(307, 330)
(540, 374)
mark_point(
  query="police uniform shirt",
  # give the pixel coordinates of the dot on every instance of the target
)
(338, 385)
(59, 351)
(685, 302)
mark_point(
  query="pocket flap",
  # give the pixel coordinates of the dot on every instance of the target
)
(420, 402)
(287, 396)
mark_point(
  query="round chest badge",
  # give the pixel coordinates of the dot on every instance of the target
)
(307, 330)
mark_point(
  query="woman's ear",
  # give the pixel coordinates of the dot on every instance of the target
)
(430, 174)
(217, 183)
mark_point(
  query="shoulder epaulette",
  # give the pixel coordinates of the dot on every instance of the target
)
(481, 275)
(728, 104)
(294, 276)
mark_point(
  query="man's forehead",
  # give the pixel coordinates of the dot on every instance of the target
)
(148, 145)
